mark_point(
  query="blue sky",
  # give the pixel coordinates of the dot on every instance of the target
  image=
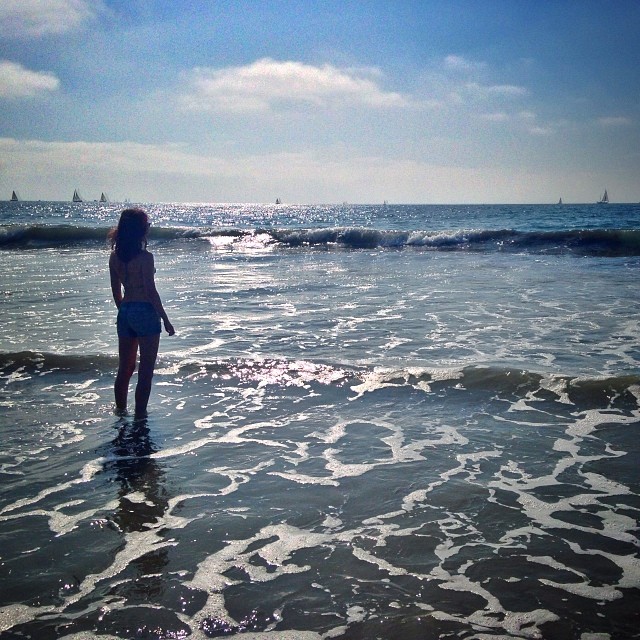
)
(427, 101)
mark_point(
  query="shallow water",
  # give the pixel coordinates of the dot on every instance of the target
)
(344, 441)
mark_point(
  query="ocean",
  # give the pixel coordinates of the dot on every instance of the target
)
(411, 422)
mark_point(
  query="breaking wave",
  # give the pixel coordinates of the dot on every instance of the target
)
(592, 242)
(579, 390)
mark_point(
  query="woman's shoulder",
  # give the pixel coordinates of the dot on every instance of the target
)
(145, 260)
(143, 256)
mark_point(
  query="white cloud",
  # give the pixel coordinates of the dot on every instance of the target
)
(541, 131)
(523, 120)
(498, 116)
(471, 93)
(262, 85)
(496, 90)
(529, 120)
(614, 121)
(458, 63)
(35, 18)
(88, 157)
(18, 82)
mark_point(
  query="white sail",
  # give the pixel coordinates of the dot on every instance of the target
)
(103, 197)
(76, 196)
(605, 198)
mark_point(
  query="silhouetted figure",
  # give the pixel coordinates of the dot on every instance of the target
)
(139, 308)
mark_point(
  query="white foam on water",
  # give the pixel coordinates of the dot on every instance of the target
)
(394, 342)
(543, 515)
(558, 385)
(235, 436)
(629, 564)
(237, 477)
(178, 450)
(331, 522)
(584, 590)
(12, 468)
(302, 478)
(382, 565)
(333, 434)
(341, 470)
(516, 624)
(83, 635)
(217, 419)
(19, 375)
(209, 575)
(15, 614)
(170, 520)
(401, 451)
(280, 635)
(87, 473)
(137, 544)
(138, 497)
(169, 368)
(599, 483)
(463, 467)
(383, 378)
(493, 615)
(61, 523)
(413, 499)
(63, 431)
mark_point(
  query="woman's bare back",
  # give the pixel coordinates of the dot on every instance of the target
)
(136, 276)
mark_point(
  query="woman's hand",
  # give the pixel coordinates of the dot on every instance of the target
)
(168, 327)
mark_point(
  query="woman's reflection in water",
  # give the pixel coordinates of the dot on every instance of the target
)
(143, 498)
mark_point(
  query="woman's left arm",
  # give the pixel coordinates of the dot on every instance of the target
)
(116, 283)
(152, 293)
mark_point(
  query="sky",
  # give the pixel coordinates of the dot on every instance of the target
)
(321, 101)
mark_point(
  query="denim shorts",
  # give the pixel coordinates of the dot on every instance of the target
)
(137, 319)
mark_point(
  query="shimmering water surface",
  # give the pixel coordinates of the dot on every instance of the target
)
(374, 422)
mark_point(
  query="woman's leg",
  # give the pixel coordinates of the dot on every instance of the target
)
(127, 351)
(148, 354)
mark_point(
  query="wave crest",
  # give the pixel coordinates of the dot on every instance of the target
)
(592, 242)
(478, 378)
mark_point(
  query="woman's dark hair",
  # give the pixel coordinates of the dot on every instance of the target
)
(129, 238)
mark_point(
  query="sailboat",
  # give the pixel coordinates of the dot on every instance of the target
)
(605, 198)
(278, 201)
(560, 201)
(15, 197)
(103, 197)
(76, 196)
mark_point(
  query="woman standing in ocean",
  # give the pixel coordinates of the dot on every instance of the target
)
(140, 309)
